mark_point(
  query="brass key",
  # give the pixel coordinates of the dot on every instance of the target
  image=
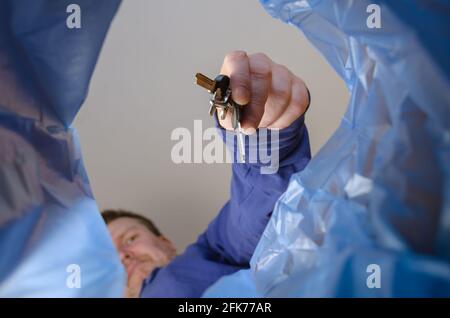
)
(221, 101)
(205, 82)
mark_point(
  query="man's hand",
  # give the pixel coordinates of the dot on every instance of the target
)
(274, 97)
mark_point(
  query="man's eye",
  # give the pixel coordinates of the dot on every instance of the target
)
(131, 239)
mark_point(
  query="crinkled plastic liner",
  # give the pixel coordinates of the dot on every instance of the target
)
(53, 242)
(378, 192)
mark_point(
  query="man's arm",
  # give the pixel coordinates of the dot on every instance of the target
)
(238, 227)
(230, 239)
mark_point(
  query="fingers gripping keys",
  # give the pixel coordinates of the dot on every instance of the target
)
(221, 102)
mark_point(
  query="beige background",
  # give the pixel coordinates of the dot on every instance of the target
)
(143, 88)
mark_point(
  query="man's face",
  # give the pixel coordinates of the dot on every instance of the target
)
(140, 251)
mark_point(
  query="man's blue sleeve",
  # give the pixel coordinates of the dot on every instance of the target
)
(231, 238)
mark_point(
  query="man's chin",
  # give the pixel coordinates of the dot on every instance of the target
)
(135, 280)
(133, 288)
(131, 292)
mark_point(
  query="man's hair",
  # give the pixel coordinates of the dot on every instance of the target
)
(111, 215)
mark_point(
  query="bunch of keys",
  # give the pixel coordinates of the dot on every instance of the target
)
(222, 103)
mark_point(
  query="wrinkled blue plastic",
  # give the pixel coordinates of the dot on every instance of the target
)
(48, 217)
(378, 192)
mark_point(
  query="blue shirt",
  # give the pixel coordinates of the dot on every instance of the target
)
(231, 238)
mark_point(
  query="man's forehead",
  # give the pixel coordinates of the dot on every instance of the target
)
(121, 225)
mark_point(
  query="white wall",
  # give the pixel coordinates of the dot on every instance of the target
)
(143, 88)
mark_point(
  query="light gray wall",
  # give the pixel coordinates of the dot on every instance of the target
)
(143, 88)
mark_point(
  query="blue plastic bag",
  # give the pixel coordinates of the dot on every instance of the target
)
(53, 242)
(370, 215)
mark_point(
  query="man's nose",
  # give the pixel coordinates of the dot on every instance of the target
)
(125, 257)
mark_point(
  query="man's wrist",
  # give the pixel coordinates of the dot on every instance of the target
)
(265, 145)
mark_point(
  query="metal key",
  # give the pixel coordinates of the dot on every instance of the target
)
(222, 102)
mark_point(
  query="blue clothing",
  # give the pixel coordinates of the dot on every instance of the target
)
(370, 214)
(231, 238)
(50, 226)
